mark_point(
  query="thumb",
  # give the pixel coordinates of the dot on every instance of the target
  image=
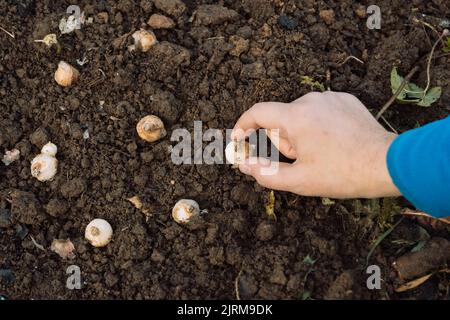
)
(272, 174)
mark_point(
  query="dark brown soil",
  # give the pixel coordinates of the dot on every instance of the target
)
(211, 69)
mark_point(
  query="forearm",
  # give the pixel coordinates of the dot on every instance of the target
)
(419, 164)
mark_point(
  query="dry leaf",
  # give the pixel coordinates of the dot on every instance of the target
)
(136, 201)
(11, 156)
(409, 212)
(413, 284)
(328, 202)
(64, 248)
(50, 40)
(270, 205)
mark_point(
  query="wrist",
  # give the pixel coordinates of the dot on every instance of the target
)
(381, 183)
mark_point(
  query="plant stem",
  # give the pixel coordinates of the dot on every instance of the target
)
(348, 58)
(426, 24)
(430, 57)
(389, 125)
(399, 90)
(236, 285)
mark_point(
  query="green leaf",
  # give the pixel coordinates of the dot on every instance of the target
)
(413, 91)
(308, 260)
(396, 81)
(446, 48)
(419, 246)
(431, 97)
(306, 296)
(410, 93)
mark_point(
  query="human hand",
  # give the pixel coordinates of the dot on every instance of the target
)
(338, 147)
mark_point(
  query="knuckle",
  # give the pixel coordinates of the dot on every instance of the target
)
(310, 99)
(258, 106)
(344, 96)
(311, 96)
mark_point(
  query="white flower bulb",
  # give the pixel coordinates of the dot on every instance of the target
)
(49, 149)
(151, 128)
(98, 232)
(65, 75)
(44, 167)
(144, 40)
(184, 210)
(237, 151)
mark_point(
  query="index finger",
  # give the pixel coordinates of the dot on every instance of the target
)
(267, 115)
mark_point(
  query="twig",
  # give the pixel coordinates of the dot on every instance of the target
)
(399, 90)
(7, 32)
(442, 55)
(415, 213)
(430, 57)
(37, 245)
(214, 38)
(389, 125)
(348, 58)
(236, 285)
(428, 37)
(426, 24)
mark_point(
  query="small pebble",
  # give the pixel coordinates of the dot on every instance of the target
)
(327, 16)
(7, 276)
(21, 232)
(287, 22)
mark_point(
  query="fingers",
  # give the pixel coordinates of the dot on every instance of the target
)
(268, 115)
(281, 144)
(271, 174)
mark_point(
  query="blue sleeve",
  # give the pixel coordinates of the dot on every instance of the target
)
(419, 164)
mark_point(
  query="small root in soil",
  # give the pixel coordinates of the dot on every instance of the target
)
(7, 32)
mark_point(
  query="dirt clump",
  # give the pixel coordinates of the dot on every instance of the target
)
(73, 188)
(265, 231)
(211, 14)
(327, 16)
(39, 138)
(172, 7)
(342, 287)
(25, 208)
(56, 207)
(159, 21)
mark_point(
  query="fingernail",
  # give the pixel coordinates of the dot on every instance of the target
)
(245, 169)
